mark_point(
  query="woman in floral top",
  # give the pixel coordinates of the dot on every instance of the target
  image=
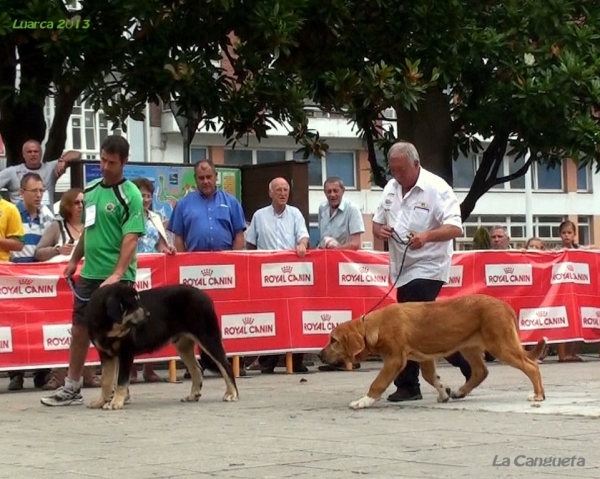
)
(154, 240)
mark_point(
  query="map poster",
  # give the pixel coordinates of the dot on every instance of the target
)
(171, 183)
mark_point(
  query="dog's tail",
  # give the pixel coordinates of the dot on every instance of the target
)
(538, 349)
(206, 362)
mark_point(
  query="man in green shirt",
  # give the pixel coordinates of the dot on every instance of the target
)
(113, 219)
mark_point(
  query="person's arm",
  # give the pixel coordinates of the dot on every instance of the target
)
(64, 161)
(451, 221)
(238, 221)
(356, 227)
(176, 227)
(128, 250)
(238, 241)
(5, 176)
(353, 243)
(14, 231)
(78, 253)
(251, 236)
(448, 214)
(46, 248)
(178, 243)
(302, 237)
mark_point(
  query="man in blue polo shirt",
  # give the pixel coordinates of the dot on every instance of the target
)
(209, 219)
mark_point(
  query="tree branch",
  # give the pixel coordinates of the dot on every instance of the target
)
(517, 174)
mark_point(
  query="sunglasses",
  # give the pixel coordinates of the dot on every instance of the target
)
(78, 202)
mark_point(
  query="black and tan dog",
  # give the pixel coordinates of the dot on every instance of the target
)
(124, 323)
(427, 331)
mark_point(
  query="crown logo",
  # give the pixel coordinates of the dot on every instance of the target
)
(326, 317)
(598, 313)
(248, 320)
(363, 269)
(26, 281)
(286, 269)
(541, 313)
(509, 270)
(570, 267)
(206, 272)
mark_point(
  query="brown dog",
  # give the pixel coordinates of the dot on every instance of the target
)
(427, 331)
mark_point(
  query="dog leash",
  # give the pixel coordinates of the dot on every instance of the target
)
(396, 237)
(71, 284)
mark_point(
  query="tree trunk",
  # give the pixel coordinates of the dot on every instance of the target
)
(20, 122)
(57, 136)
(430, 130)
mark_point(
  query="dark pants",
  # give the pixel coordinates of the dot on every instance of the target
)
(270, 362)
(424, 290)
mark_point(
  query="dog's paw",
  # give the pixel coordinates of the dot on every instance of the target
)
(362, 403)
(443, 399)
(457, 394)
(191, 398)
(230, 397)
(113, 405)
(97, 403)
(535, 397)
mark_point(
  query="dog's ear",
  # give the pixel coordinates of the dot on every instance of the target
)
(355, 343)
(114, 309)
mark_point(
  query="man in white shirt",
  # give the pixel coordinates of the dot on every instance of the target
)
(278, 226)
(341, 226)
(418, 211)
(340, 220)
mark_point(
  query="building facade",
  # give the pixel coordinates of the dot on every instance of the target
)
(532, 205)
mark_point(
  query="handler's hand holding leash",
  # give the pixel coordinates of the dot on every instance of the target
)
(412, 241)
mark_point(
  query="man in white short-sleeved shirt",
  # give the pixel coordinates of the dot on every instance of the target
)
(419, 211)
(278, 226)
(340, 221)
(50, 172)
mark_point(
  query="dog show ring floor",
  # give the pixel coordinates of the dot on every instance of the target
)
(300, 426)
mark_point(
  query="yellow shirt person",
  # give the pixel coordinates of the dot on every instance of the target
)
(11, 230)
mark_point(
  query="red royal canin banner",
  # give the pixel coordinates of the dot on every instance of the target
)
(271, 302)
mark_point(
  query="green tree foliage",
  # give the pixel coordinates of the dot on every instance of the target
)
(132, 52)
(523, 72)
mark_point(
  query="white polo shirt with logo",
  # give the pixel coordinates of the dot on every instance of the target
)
(430, 204)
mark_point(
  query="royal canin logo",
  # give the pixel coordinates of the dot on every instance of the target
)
(326, 317)
(287, 269)
(26, 281)
(541, 314)
(248, 320)
(509, 270)
(363, 270)
(206, 272)
(570, 267)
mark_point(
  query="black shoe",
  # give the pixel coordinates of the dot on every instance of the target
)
(300, 369)
(40, 378)
(405, 395)
(267, 370)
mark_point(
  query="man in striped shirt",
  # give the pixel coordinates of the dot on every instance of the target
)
(35, 216)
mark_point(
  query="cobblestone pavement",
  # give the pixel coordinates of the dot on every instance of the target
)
(300, 426)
